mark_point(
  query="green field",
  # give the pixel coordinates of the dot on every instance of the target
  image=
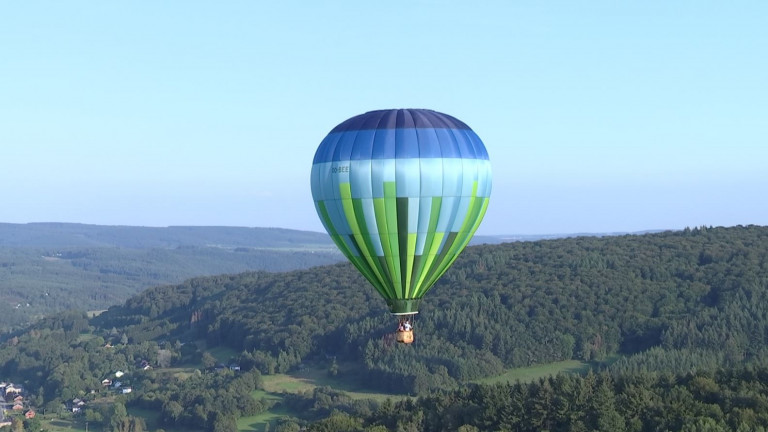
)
(309, 378)
(303, 380)
(61, 425)
(53, 423)
(532, 373)
(256, 423)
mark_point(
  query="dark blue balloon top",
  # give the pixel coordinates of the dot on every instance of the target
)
(400, 119)
(400, 134)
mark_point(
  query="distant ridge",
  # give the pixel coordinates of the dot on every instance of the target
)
(48, 267)
(505, 238)
(61, 234)
(56, 234)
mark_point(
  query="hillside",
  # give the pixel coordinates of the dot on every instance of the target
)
(669, 303)
(507, 305)
(49, 267)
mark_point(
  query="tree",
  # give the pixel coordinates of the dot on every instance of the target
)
(92, 415)
(164, 358)
(208, 360)
(171, 412)
(224, 423)
(117, 417)
(17, 424)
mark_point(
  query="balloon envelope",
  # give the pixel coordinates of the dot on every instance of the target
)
(401, 192)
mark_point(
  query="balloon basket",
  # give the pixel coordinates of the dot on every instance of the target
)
(404, 337)
(404, 333)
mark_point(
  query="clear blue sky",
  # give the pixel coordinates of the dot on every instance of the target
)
(598, 116)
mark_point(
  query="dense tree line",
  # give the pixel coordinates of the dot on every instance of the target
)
(732, 399)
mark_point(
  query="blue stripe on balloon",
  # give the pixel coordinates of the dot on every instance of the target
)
(361, 184)
(400, 144)
(431, 177)
(408, 177)
(383, 144)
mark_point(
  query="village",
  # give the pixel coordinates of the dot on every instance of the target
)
(13, 401)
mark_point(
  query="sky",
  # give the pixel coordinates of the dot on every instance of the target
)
(598, 116)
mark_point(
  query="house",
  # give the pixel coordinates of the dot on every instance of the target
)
(118, 374)
(10, 388)
(106, 382)
(77, 405)
(18, 407)
(18, 398)
(234, 367)
(117, 384)
(29, 414)
(127, 390)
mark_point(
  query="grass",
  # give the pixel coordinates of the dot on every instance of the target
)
(311, 377)
(53, 424)
(256, 423)
(532, 373)
(304, 380)
(223, 354)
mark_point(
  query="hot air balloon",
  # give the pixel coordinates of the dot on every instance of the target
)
(401, 192)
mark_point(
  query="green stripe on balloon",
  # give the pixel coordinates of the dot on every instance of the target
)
(481, 205)
(359, 215)
(412, 237)
(427, 256)
(440, 265)
(402, 243)
(360, 262)
(380, 211)
(429, 265)
(349, 213)
(357, 259)
(332, 229)
(390, 211)
(461, 238)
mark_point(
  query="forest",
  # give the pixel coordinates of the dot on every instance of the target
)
(684, 313)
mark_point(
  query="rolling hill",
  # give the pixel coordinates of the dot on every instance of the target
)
(49, 267)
